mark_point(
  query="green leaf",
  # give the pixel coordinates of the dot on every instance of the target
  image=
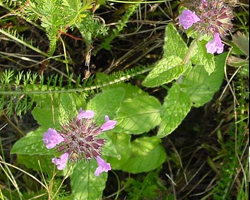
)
(237, 62)
(109, 148)
(67, 108)
(84, 184)
(175, 108)
(47, 117)
(106, 103)
(200, 86)
(32, 144)
(55, 110)
(174, 44)
(122, 145)
(146, 154)
(166, 70)
(242, 42)
(37, 162)
(203, 58)
(46, 112)
(138, 115)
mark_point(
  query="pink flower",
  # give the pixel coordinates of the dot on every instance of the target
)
(109, 124)
(88, 114)
(51, 138)
(215, 45)
(188, 18)
(102, 166)
(62, 161)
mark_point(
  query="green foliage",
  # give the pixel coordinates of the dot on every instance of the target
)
(106, 103)
(240, 50)
(84, 184)
(146, 154)
(122, 145)
(175, 108)
(165, 71)
(199, 85)
(119, 27)
(57, 16)
(19, 91)
(138, 115)
(195, 85)
(174, 44)
(148, 187)
(235, 149)
(203, 58)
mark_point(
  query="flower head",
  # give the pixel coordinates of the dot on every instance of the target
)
(215, 45)
(102, 166)
(215, 16)
(62, 161)
(188, 18)
(79, 139)
(51, 138)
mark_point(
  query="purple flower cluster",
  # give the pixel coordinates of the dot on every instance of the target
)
(211, 17)
(78, 140)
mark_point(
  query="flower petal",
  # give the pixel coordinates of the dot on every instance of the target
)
(188, 18)
(109, 124)
(51, 138)
(88, 114)
(62, 161)
(102, 166)
(215, 45)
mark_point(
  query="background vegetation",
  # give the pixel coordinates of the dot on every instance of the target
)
(77, 49)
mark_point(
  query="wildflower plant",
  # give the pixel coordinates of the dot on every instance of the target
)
(84, 136)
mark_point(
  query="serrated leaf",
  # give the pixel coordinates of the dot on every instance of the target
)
(146, 154)
(174, 44)
(204, 58)
(32, 144)
(237, 62)
(166, 70)
(200, 86)
(175, 108)
(138, 115)
(106, 103)
(242, 42)
(67, 108)
(84, 184)
(123, 147)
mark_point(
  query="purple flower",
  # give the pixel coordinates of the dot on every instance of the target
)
(88, 114)
(215, 45)
(51, 138)
(62, 161)
(188, 18)
(102, 166)
(109, 124)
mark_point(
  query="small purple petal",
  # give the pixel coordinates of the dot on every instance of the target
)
(51, 138)
(109, 124)
(62, 161)
(102, 166)
(188, 18)
(88, 114)
(215, 45)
